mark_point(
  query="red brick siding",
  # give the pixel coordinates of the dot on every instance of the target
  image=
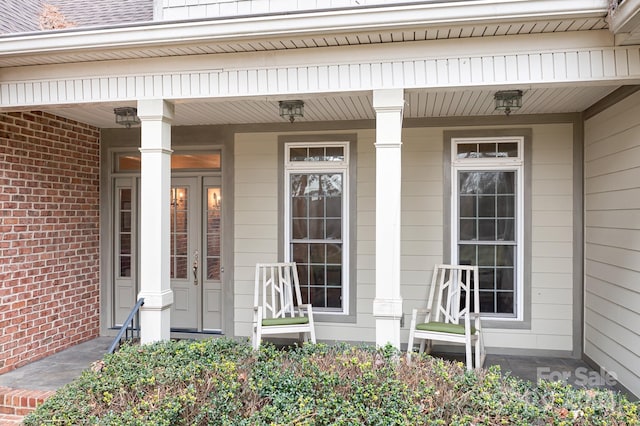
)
(49, 230)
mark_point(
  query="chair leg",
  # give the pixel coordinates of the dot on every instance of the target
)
(410, 346)
(467, 347)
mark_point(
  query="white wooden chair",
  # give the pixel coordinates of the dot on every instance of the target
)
(276, 286)
(448, 316)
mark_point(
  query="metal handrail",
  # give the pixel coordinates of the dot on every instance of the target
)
(125, 326)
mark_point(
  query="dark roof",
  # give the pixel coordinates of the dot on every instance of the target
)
(23, 15)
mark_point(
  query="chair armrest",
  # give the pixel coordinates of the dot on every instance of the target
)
(306, 307)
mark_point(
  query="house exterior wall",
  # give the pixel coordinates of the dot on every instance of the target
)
(49, 257)
(257, 231)
(612, 240)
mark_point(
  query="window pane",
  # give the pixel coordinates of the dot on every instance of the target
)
(506, 230)
(468, 206)
(487, 301)
(334, 206)
(508, 149)
(486, 255)
(486, 229)
(487, 206)
(505, 255)
(467, 150)
(334, 229)
(504, 279)
(334, 253)
(487, 278)
(505, 303)
(298, 154)
(125, 266)
(300, 254)
(506, 183)
(213, 269)
(316, 229)
(506, 205)
(299, 230)
(468, 230)
(487, 150)
(299, 207)
(335, 153)
(317, 253)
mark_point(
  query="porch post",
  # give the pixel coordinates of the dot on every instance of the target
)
(155, 117)
(387, 305)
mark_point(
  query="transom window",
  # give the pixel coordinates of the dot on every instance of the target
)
(487, 204)
(317, 221)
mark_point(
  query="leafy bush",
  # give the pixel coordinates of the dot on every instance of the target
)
(223, 382)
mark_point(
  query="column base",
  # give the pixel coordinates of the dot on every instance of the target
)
(155, 317)
(388, 314)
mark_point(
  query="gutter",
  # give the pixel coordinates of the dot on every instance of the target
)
(407, 15)
(625, 18)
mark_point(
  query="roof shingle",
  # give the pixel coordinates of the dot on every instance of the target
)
(23, 15)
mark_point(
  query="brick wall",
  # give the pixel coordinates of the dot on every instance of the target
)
(49, 230)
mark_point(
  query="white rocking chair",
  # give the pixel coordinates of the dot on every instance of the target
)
(276, 285)
(448, 315)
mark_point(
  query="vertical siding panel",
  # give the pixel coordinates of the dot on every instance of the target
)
(431, 72)
(535, 67)
(365, 75)
(477, 74)
(386, 72)
(584, 64)
(622, 63)
(343, 77)
(465, 71)
(560, 66)
(487, 69)
(524, 68)
(303, 82)
(223, 83)
(313, 78)
(597, 64)
(547, 66)
(453, 65)
(511, 68)
(354, 76)
(292, 81)
(194, 82)
(609, 63)
(573, 71)
(37, 92)
(634, 61)
(499, 68)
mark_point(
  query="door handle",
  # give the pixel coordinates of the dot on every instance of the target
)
(194, 268)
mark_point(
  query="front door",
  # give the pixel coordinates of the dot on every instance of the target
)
(196, 254)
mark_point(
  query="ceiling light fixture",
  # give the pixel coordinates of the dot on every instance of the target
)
(291, 109)
(508, 100)
(127, 116)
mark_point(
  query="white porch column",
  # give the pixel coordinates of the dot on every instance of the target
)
(387, 306)
(155, 117)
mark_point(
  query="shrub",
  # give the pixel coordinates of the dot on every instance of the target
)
(223, 382)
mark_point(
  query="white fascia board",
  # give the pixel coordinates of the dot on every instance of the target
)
(296, 24)
(626, 17)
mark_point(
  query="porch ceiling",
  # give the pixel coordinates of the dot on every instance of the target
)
(354, 106)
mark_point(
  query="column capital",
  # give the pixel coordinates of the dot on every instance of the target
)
(388, 100)
(155, 109)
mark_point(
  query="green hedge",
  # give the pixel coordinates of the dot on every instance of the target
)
(223, 382)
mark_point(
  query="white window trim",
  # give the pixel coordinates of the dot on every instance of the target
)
(291, 167)
(508, 164)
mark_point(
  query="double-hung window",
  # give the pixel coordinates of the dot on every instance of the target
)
(487, 204)
(316, 221)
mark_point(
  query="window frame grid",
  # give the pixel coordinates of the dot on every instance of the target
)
(507, 164)
(320, 167)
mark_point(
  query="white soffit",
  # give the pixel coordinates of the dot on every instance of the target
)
(358, 106)
(406, 22)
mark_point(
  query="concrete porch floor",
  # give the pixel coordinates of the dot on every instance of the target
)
(57, 370)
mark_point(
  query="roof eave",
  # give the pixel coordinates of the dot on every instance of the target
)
(296, 24)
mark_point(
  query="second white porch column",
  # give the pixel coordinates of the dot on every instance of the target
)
(155, 148)
(387, 306)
